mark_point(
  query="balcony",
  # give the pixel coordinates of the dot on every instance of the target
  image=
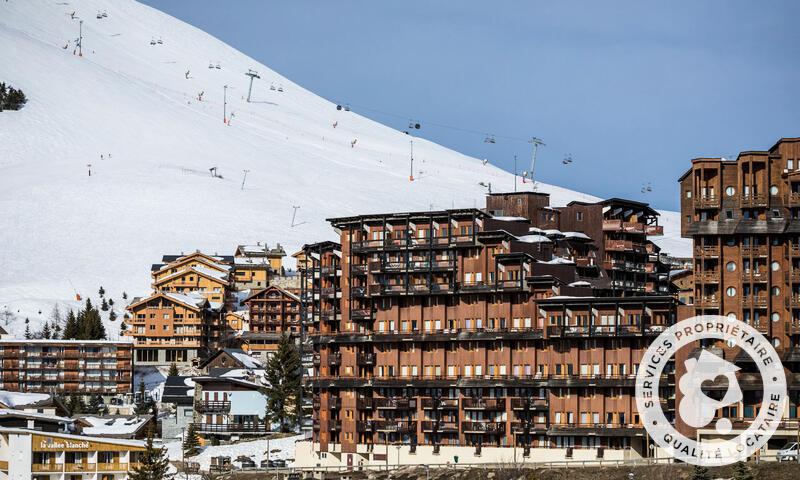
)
(610, 429)
(533, 427)
(395, 403)
(358, 268)
(706, 201)
(707, 302)
(112, 467)
(440, 426)
(364, 403)
(79, 467)
(792, 276)
(333, 403)
(333, 425)
(793, 301)
(361, 314)
(483, 403)
(365, 359)
(212, 406)
(711, 251)
(359, 292)
(232, 427)
(401, 426)
(334, 359)
(754, 276)
(484, 427)
(753, 301)
(754, 250)
(532, 404)
(330, 270)
(48, 467)
(792, 250)
(792, 199)
(707, 276)
(429, 403)
(328, 292)
(330, 316)
(754, 200)
(619, 245)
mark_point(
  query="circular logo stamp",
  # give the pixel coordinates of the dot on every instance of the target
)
(709, 384)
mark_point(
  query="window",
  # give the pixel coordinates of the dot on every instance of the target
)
(730, 266)
(730, 191)
(776, 317)
(775, 266)
(688, 194)
(579, 216)
(730, 291)
(773, 190)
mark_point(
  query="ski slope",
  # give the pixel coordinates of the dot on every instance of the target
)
(63, 231)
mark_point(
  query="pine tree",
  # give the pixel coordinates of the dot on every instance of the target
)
(104, 305)
(173, 370)
(112, 316)
(742, 472)
(153, 462)
(71, 327)
(57, 332)
(46, 332)
(700, 473)
(76, 405)
(110, 302)
(284, 375)
(122, 327)
(28, 335)
(124, 295)
(95, 404)
(192, 441)
(101, 292)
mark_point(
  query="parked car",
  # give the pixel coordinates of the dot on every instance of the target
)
(788, 453)
(277, 463)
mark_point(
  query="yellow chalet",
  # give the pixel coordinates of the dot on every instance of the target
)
(210, 283)
(32, 454)
(170, 327)
(255, 264)
(171, 264)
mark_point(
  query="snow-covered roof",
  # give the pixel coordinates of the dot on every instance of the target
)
(246, 360)
(44, 341)
(20, 399)
(579, 235)
(114, 425)
(533, 239)
(553, 232)
(251, 261)
(580, 283)
(34, 415)
(535, 230)
(511, 219)
(558, 261)
(192, 299)
(211, 273)
(114, 441)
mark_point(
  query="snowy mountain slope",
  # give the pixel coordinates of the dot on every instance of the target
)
(151, 192)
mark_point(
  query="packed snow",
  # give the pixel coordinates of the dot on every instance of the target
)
(20, 399)
(108, 166)
(113, 426)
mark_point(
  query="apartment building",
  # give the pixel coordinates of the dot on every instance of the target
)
(743, 215)
(472, 334)
(256, 264)
(228, 406)
(51, 455)
(66, 366)
(273, 312)
(170, 327)
(628, 263)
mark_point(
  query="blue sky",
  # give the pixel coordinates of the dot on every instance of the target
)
(632, 90)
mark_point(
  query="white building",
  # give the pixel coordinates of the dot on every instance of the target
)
(29, 454)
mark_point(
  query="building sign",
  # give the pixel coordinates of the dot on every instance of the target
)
(41, 443)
